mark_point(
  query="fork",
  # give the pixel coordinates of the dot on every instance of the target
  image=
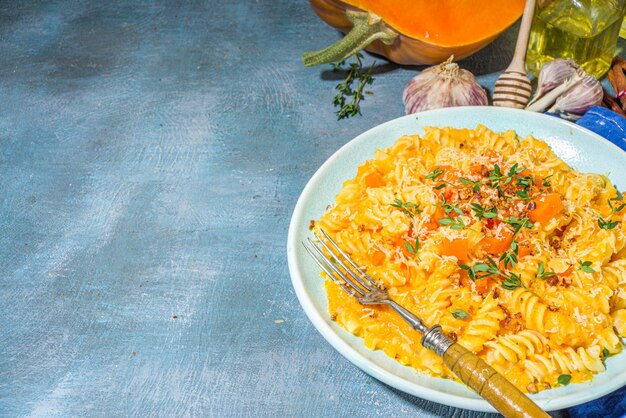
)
(471, 369)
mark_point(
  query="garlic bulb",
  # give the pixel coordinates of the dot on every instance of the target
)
(554, 74)
(578, 99)
(443, 85)
(570, 98)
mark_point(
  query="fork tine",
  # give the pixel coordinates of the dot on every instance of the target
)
(371, 282)
(347, 269)
(324, 264)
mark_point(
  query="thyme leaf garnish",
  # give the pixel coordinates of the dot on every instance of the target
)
(455, 224)
(509, 258)
(435, 173)
(586, 267)
(542, 273)
(411, 248)
(518, 224)
(409, 208)
(482, 212)
(448, 207)
(474, 183)
(459, 314)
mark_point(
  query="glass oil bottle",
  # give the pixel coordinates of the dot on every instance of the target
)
(583, 30)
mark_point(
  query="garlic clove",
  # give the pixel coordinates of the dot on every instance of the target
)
(576, 101)
(548, 99)
(443, 85)
(553, 74)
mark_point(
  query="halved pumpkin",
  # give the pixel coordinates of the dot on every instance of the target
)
(419, 31)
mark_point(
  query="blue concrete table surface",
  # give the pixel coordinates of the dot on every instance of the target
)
(151, 154)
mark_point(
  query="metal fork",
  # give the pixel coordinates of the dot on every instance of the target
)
(470, 368)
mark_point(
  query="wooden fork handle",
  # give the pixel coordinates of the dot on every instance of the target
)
(489, 384)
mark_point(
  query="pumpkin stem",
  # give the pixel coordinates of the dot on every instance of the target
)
(366, 28)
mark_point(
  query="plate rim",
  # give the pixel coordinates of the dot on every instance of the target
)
(366, 365)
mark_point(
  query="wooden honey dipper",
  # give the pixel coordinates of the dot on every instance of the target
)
(513, 87)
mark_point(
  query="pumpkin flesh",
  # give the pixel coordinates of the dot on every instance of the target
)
(445, 22)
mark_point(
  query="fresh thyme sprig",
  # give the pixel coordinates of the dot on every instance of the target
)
(498, 177)
(449, 207)
(512, 281)
(487, 269)
(525, 182)
(607, 223)
(409, 208)
(459, 314)
(482, 212)
(586, 267)
(455, 224)
(619, 196)
(509, 258)
(413, 249)
(349, 97)
(615, 209)
(545, 182)
(523, 194)
(435, 173)
(564, 379)
(475, 184)
(542, 273)
(518, 224)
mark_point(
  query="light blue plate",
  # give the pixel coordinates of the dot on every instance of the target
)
(579, 147)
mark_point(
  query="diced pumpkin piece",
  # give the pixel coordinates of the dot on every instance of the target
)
(493, 245)
(374, 180)
(523, 250)
(484, 285)
(458, 247)
(546, 207)
(378, 257)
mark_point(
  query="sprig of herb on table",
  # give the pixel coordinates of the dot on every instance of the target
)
(409, 208)
(349, 96)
